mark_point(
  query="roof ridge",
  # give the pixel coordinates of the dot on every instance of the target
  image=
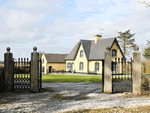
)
(93, 40)
(56, 53)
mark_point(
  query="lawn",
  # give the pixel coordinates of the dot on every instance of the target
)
(71, 78)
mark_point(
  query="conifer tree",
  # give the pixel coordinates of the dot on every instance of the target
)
(126, 41)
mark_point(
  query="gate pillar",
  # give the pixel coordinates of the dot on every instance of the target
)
(34, 70)
(136, 72)
(107, 71)
(8, 66)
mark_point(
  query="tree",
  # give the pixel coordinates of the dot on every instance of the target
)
(146, 53)
(144, 2)
(126, 42)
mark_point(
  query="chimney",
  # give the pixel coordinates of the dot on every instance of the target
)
(97, 37)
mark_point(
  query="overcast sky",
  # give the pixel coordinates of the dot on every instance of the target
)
(55, 26)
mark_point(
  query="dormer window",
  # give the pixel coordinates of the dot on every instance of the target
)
(81, 53)
(43, 60)
(114, 53)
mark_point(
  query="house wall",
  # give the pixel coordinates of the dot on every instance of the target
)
(77, 61)
(44, 64)
(56, 66)
(92, 66)
(119, 55)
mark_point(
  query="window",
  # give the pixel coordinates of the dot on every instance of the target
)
(69, 65)
(96, 66)
(114, 66)
(114, 53)
(43, 69)
(81, 53)
(43, 60)
(81, 66)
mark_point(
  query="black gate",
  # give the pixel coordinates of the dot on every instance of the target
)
(102, 75)
(2, 79)
(22, 69)
(122, 75)
(40, 75)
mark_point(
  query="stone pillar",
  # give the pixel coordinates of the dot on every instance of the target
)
(107, 71)
(136, 71)
(34, 70)
(8, 66)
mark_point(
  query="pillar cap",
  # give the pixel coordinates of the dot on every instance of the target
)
(8, 49)
(34, 49)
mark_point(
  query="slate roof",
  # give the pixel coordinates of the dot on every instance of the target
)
(55, 58)
(92, 51)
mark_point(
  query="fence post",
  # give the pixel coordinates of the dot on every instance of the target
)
(34, 70)
(107, 71)
(8, 66)
(136, 71)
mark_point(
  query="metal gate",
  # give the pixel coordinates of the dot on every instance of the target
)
(22, 74)
(102, 75)
(2, 79)
(40, 75)
(122, 75)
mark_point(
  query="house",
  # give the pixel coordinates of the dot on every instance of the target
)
(87, 55)
(53, 62)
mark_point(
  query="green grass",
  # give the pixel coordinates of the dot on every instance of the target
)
(71, 79)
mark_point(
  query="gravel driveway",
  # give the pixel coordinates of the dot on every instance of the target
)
(60, 97)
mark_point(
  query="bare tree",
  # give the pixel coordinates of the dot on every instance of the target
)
(144, 2)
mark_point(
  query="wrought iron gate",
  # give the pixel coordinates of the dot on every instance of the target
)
(102, 75)
(40, 75)
(122, 75)
(22, 74)
(2, 79)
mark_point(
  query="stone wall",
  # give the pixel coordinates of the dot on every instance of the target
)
(145, 89)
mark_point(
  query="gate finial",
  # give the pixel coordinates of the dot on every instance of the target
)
(8, 49)
(34, 49)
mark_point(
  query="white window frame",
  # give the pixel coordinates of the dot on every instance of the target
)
(43, 69)
(81, 53)
(81, 66)
(68, 65)
(114, 53)
(115, 67)
(43, 61)
(96, 66)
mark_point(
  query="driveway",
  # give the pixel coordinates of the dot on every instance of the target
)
(61, 97)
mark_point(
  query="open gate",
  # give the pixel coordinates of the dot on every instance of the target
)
(122, 75)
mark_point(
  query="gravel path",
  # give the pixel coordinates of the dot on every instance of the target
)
(61, 97)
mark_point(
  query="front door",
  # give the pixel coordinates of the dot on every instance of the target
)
(72, 67)
(50, 67)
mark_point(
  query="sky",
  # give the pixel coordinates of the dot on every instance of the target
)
(56, 26)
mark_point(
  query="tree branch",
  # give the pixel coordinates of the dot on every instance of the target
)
(144, 2)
